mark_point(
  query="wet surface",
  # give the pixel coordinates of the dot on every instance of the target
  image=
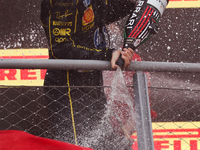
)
(174, 96)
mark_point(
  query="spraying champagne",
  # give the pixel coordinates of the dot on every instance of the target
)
(142, 23)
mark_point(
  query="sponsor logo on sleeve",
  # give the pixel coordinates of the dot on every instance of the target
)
(99, 41)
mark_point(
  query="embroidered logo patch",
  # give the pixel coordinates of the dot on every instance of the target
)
(86, 3)
(88, 16)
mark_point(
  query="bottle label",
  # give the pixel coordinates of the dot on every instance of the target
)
(159, 4)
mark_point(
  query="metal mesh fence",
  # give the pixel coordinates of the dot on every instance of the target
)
(177, 124)
(31, 109)
(47, 112)
(176, 105)
(176, 100)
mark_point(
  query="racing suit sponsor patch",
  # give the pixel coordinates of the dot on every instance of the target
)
(88, 16)
(86, 3)
(99, 41)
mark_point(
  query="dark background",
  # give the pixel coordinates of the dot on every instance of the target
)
(177, 41)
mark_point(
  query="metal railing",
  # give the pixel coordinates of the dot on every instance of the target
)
(144, 128)
(97, 65)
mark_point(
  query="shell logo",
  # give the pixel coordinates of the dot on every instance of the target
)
(88, 16)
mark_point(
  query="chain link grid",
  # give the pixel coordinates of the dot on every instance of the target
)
(45, 111)
(178, 116)
(31, 109)
(173, 104)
